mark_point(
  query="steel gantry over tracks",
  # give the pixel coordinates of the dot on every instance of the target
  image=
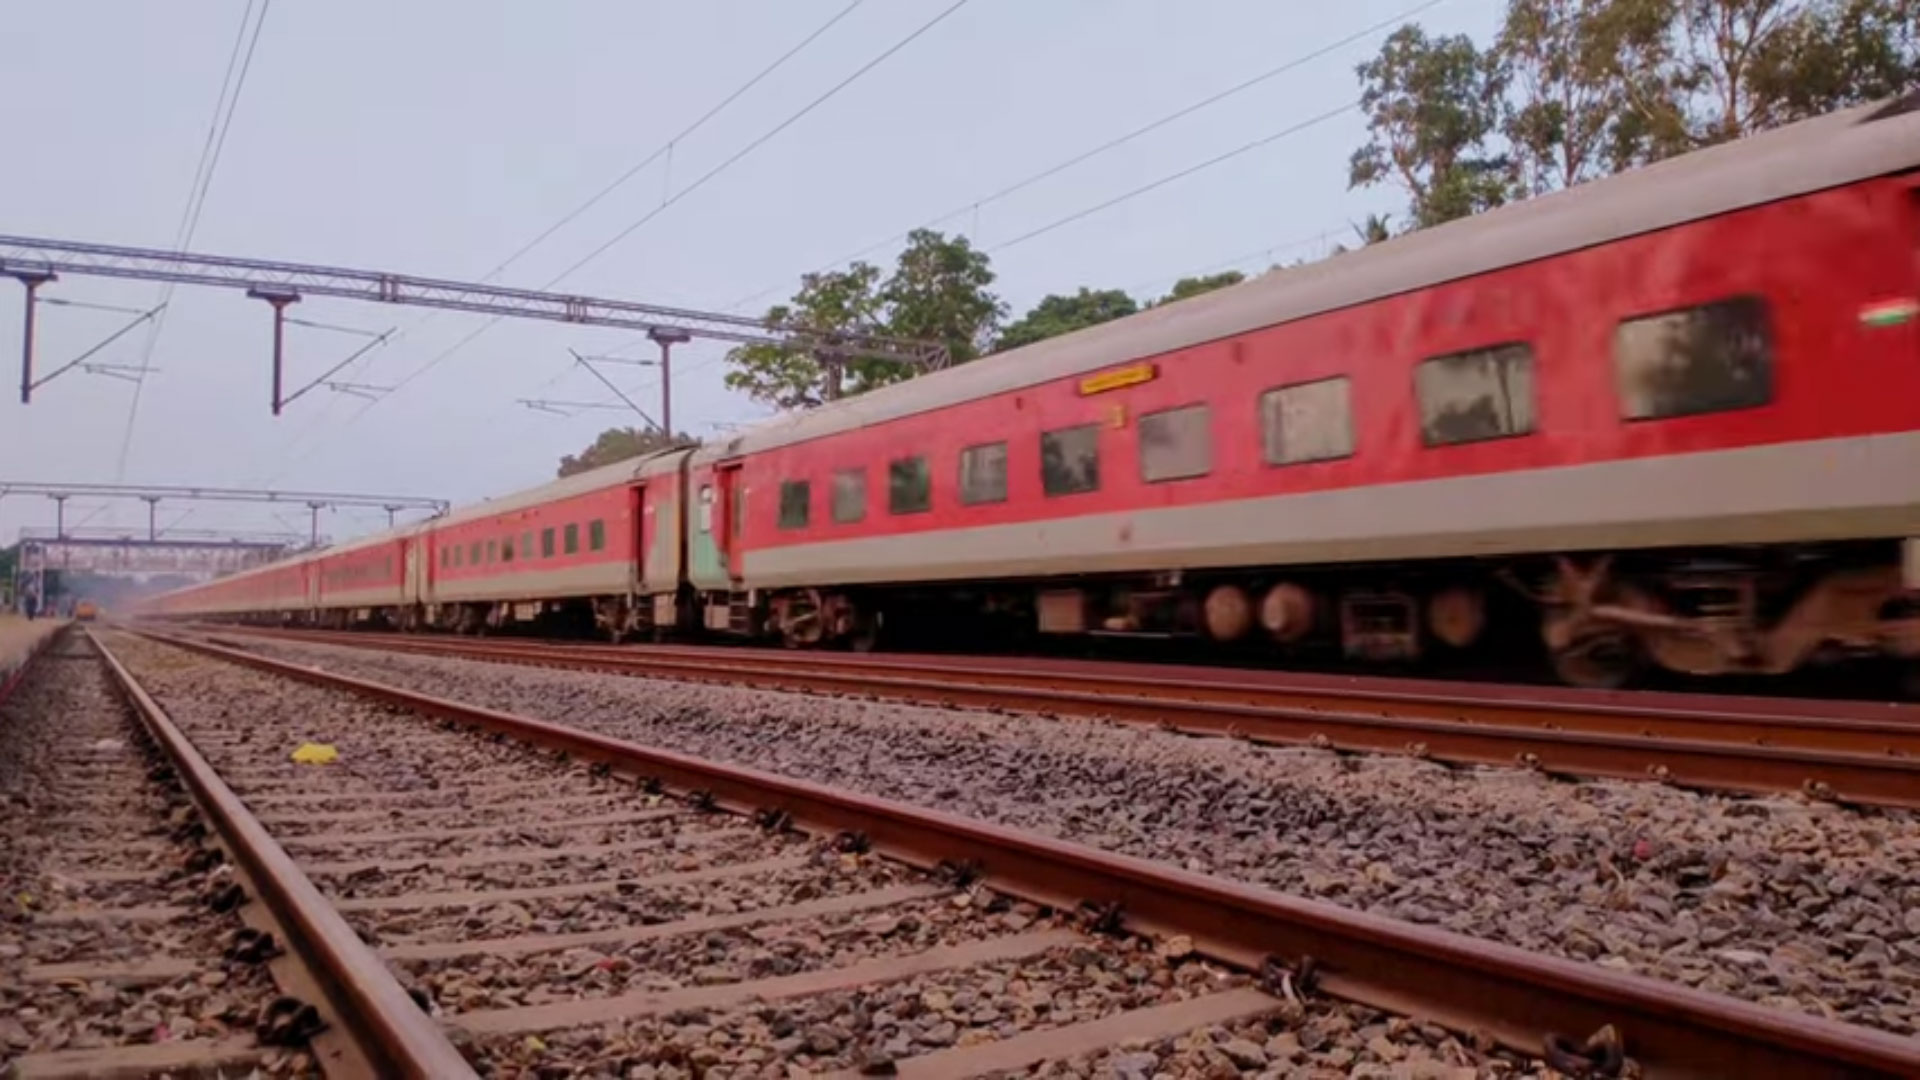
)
(154, 494)
(34, 262)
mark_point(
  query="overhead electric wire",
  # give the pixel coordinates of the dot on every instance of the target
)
(1182, 174)
(210, 152)
(761, 141)
(667, 147)
(1121, 140)
(702, 181)
(664, 149)
(1245, 148)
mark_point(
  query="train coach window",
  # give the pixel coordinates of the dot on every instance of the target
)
(706, 508)
(493, 552)
(1704, 359)
(849, 496)
(573, 539)
(1176, 444)
(596, 534)
(1310, 421)
(473, 553)
(546, 543)
(506, 550)
(1070, 460)
(526, 544)
(909, 485)
(1476, 395)
(983, 474)
(796, 498)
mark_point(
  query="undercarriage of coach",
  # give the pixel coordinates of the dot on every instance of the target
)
(1601, 619)
(1762, 611)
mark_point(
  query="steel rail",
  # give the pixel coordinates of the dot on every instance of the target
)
(1863, 762)
(387, 1026)
(1520, 999)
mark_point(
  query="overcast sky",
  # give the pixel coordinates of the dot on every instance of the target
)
(437, 137)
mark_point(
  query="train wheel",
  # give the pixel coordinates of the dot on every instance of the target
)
(1600, 662)
(803, 620)
(865, 636)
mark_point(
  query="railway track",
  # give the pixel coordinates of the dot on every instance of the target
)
(123, 951)
(934, 946)
(1851, 752)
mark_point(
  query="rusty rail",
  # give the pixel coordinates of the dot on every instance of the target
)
(1848, 759)
(388, 1028)
(1521, 999)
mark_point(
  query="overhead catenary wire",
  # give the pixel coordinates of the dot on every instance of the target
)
(210, 152)
(676, 197)
(704, 178)
(1116, 142)
(667, 199)
(665, 150)
(1153, 185)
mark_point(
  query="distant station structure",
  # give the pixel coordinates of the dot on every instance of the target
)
(156, 550)
(154, 494)
(37, 262)
(199, 552)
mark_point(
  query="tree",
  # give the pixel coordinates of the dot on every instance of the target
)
(1838, 54)
(1575, 89)
(1055, 315)
(1194, 286)
(1376, 229)
(1698, 72)
(1432, 104)
(838, 301)
(1559, 60)
(938, 291)
(619, 444)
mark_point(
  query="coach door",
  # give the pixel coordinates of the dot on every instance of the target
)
(637, 517)
(411, 591)
(729, 511)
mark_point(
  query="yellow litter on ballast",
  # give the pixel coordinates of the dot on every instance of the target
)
(315, 753)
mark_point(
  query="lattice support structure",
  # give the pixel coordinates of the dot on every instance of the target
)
(33, 261)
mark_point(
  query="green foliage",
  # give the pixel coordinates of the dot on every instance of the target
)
(940, 290)
(1431, 105)
(1838, 54)
(1376, 229)
(839, 301)
(1561, 124)
(1194, 286)
(1575, 89)
(619, 444)
(1055, 315)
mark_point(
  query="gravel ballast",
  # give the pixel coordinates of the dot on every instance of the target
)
(1787, 902)
(77, 798)
(582, 929)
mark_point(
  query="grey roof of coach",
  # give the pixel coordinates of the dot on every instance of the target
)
(1813, 155)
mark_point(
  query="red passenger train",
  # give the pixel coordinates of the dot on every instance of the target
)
(1670, 417)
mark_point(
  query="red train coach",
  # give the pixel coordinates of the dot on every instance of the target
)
(1677, 410)
(361, 582)
(600, 545)
(1672, 416)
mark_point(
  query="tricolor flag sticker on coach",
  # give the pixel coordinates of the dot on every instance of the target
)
(1890, 312)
